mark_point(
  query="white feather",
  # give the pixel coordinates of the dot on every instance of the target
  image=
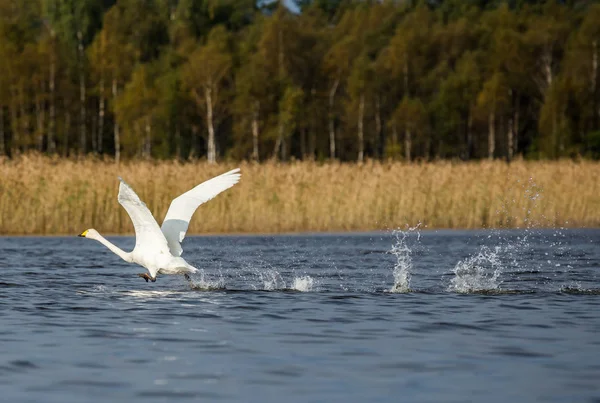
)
(147, 232)
(182, 208)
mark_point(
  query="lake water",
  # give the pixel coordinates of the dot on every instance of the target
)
(447, 316)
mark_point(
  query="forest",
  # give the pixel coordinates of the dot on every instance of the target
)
(345, 80)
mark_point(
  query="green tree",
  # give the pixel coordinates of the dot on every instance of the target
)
(252, 93)
(135, 109)
(582, 75)
(205, 74)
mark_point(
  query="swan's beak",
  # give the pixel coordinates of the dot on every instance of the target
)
(83, 234)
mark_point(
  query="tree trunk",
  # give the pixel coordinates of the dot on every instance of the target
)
(594, 78)
(283, 144)
(361, 134)
(405, 70)
(558, 135)
(332, 92)
(177, 142)
(39, 115)
(491, 134)
(2, 147)
(469, 134)
(407, 144)
(516, 124)
(194, 146)
(547, 68)
(279, 141)
(51, 136)
(101, 113)
(255, 114)
(594, 85)
(303, 131)
(14, 123)
(94, 133)
(211, 151)
(510, 134)
(509, 139)
(137, 134)
(312, 124)
(312, 141)
(407, 133)
(280, 54)
(23, 115)
(82, 113)
(66, 134)
(116, 134)
(378, 129)
(429, 152)
(148, 139)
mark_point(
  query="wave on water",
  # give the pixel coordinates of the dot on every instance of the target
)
(150, 293)
(579, 290)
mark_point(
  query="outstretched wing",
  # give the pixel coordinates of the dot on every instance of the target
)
(147, 233)
(183, 207)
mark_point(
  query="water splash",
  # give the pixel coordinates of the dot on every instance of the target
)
(403, 266)
(271, 280)
(201, 282)
(304, 283)
(478, 273)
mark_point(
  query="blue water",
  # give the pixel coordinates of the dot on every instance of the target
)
(482, 316)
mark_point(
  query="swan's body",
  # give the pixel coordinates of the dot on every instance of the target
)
(158, 249)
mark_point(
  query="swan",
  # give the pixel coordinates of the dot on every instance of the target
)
(158, 249)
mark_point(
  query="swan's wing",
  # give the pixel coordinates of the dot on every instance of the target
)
(147, 233)
(183, 207)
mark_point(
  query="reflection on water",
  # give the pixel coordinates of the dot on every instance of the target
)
(472, 316)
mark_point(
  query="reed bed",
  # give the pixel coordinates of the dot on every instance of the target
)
(40, 195)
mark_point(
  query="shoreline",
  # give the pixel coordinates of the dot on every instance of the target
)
(319, 234)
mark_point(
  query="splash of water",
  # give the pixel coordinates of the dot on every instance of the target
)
(403, 265)
(201, 282)
(477, 273)
(271, 280)
(304, 283)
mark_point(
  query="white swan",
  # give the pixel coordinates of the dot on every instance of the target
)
(158, 249)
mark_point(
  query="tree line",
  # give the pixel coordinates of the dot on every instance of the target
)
(335, 79)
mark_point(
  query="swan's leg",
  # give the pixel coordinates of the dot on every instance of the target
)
(146, 277)
(187, 277)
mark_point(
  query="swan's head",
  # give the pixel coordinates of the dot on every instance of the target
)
(89, 233)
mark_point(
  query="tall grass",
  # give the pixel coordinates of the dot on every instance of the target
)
(39, 195)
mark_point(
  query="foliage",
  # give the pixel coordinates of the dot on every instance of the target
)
(337, 79)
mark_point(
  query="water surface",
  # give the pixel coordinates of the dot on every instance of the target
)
(438, 316)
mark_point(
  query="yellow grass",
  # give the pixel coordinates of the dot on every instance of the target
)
(39, 195)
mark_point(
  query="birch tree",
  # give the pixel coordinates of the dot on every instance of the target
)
(204, 74)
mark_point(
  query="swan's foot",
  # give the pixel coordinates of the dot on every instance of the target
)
(146, 277)
(187, 277)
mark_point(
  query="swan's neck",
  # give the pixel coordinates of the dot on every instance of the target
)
(126, 256)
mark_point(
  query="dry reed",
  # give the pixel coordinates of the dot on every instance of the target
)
(39, 195)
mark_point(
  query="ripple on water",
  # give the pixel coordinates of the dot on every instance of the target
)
(116, 338)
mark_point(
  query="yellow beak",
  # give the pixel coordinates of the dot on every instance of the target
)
(83, 234)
